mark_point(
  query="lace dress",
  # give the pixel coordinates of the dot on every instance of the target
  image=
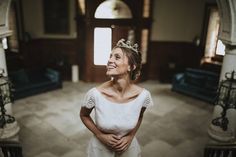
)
(116, 118)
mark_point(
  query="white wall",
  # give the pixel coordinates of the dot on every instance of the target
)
(33, 19)
(177, 20)
(174, 20)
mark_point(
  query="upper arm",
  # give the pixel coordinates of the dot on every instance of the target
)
(89, 101)
(142, 112)
(85, 111)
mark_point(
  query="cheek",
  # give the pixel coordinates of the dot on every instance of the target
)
(124, 68)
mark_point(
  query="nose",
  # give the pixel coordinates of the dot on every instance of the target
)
(110, 60)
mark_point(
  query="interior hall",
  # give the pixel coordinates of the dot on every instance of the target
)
(52, 52)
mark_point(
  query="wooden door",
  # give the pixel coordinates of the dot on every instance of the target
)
(97, 73)
(119, 32)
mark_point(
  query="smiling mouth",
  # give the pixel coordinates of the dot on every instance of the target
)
(110, 67)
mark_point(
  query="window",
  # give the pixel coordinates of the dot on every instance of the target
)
(213, 46)
(81, 6)
(12, 40)
(113, 9)
(102, 45)
(220, 48)
(56, 16)
(144, 45)
(146, 8)
(109, 9)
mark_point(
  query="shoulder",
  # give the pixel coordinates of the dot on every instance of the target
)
(105, 88)
(147, 98)
(135, 90)
(89, 99)
(91, 91)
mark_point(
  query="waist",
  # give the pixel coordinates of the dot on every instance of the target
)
(117, 132)
(95, 143)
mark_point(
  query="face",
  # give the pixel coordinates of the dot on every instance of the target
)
(118, 63)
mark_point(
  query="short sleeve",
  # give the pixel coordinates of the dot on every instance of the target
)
(148, 100)
(89, 99)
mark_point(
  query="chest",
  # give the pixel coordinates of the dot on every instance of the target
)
(120, 99)
(115, 116)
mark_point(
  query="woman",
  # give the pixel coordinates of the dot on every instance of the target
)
(119, 105)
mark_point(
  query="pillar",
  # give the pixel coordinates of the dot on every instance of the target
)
(215, 132)
(10, 130)
(227, 35)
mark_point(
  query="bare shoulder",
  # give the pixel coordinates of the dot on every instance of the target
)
(135, 90)
(105, 88)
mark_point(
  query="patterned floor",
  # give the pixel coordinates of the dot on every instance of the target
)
(50, 125)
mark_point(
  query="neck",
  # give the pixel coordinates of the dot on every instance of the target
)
(121, 84)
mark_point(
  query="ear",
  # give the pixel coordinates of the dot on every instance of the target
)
(129, 68)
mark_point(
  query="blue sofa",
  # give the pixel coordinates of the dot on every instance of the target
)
(197, 83)
(30, 82)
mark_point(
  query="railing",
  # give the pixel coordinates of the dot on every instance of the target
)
(221, 150)
(10, 149)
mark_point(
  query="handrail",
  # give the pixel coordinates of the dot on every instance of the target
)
(220, 150)
(11, 148)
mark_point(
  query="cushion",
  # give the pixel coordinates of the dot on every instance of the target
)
(196, 80)
(212, 83)
(19, 77)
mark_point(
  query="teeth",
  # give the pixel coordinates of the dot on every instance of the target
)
(111, 67)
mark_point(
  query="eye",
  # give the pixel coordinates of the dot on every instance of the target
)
(117, 57)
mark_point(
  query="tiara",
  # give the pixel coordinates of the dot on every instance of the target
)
(127, 44)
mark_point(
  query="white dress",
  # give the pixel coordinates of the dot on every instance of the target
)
(116, 118)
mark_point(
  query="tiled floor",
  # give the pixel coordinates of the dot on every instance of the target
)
(50, 125)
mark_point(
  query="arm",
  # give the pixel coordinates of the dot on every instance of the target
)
(125, 141)
(107, 139)
(87, 120)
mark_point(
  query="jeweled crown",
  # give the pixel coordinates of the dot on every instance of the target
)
(127, 44)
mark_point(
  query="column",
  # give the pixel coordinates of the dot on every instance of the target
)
(229, 64)
(2, 59)
(10, 131)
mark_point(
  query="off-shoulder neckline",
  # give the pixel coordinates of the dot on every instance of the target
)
(123, 103)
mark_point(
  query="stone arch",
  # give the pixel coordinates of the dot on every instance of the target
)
(227, 11)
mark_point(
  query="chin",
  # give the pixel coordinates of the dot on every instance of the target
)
(108, 74)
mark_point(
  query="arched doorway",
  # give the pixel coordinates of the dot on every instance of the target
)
(105, 23)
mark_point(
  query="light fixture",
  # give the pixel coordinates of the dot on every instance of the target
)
(5, 98)
(226, 99)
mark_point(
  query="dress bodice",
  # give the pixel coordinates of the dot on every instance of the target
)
(116, 118)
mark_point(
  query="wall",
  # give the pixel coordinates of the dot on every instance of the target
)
(177, 20)
(48, 50)
(33, 19)
(176, 24)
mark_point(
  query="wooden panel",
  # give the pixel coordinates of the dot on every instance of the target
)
(167, 58)
(55, 53)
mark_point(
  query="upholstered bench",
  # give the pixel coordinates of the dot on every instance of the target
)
(31, 82)
(197, 83)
